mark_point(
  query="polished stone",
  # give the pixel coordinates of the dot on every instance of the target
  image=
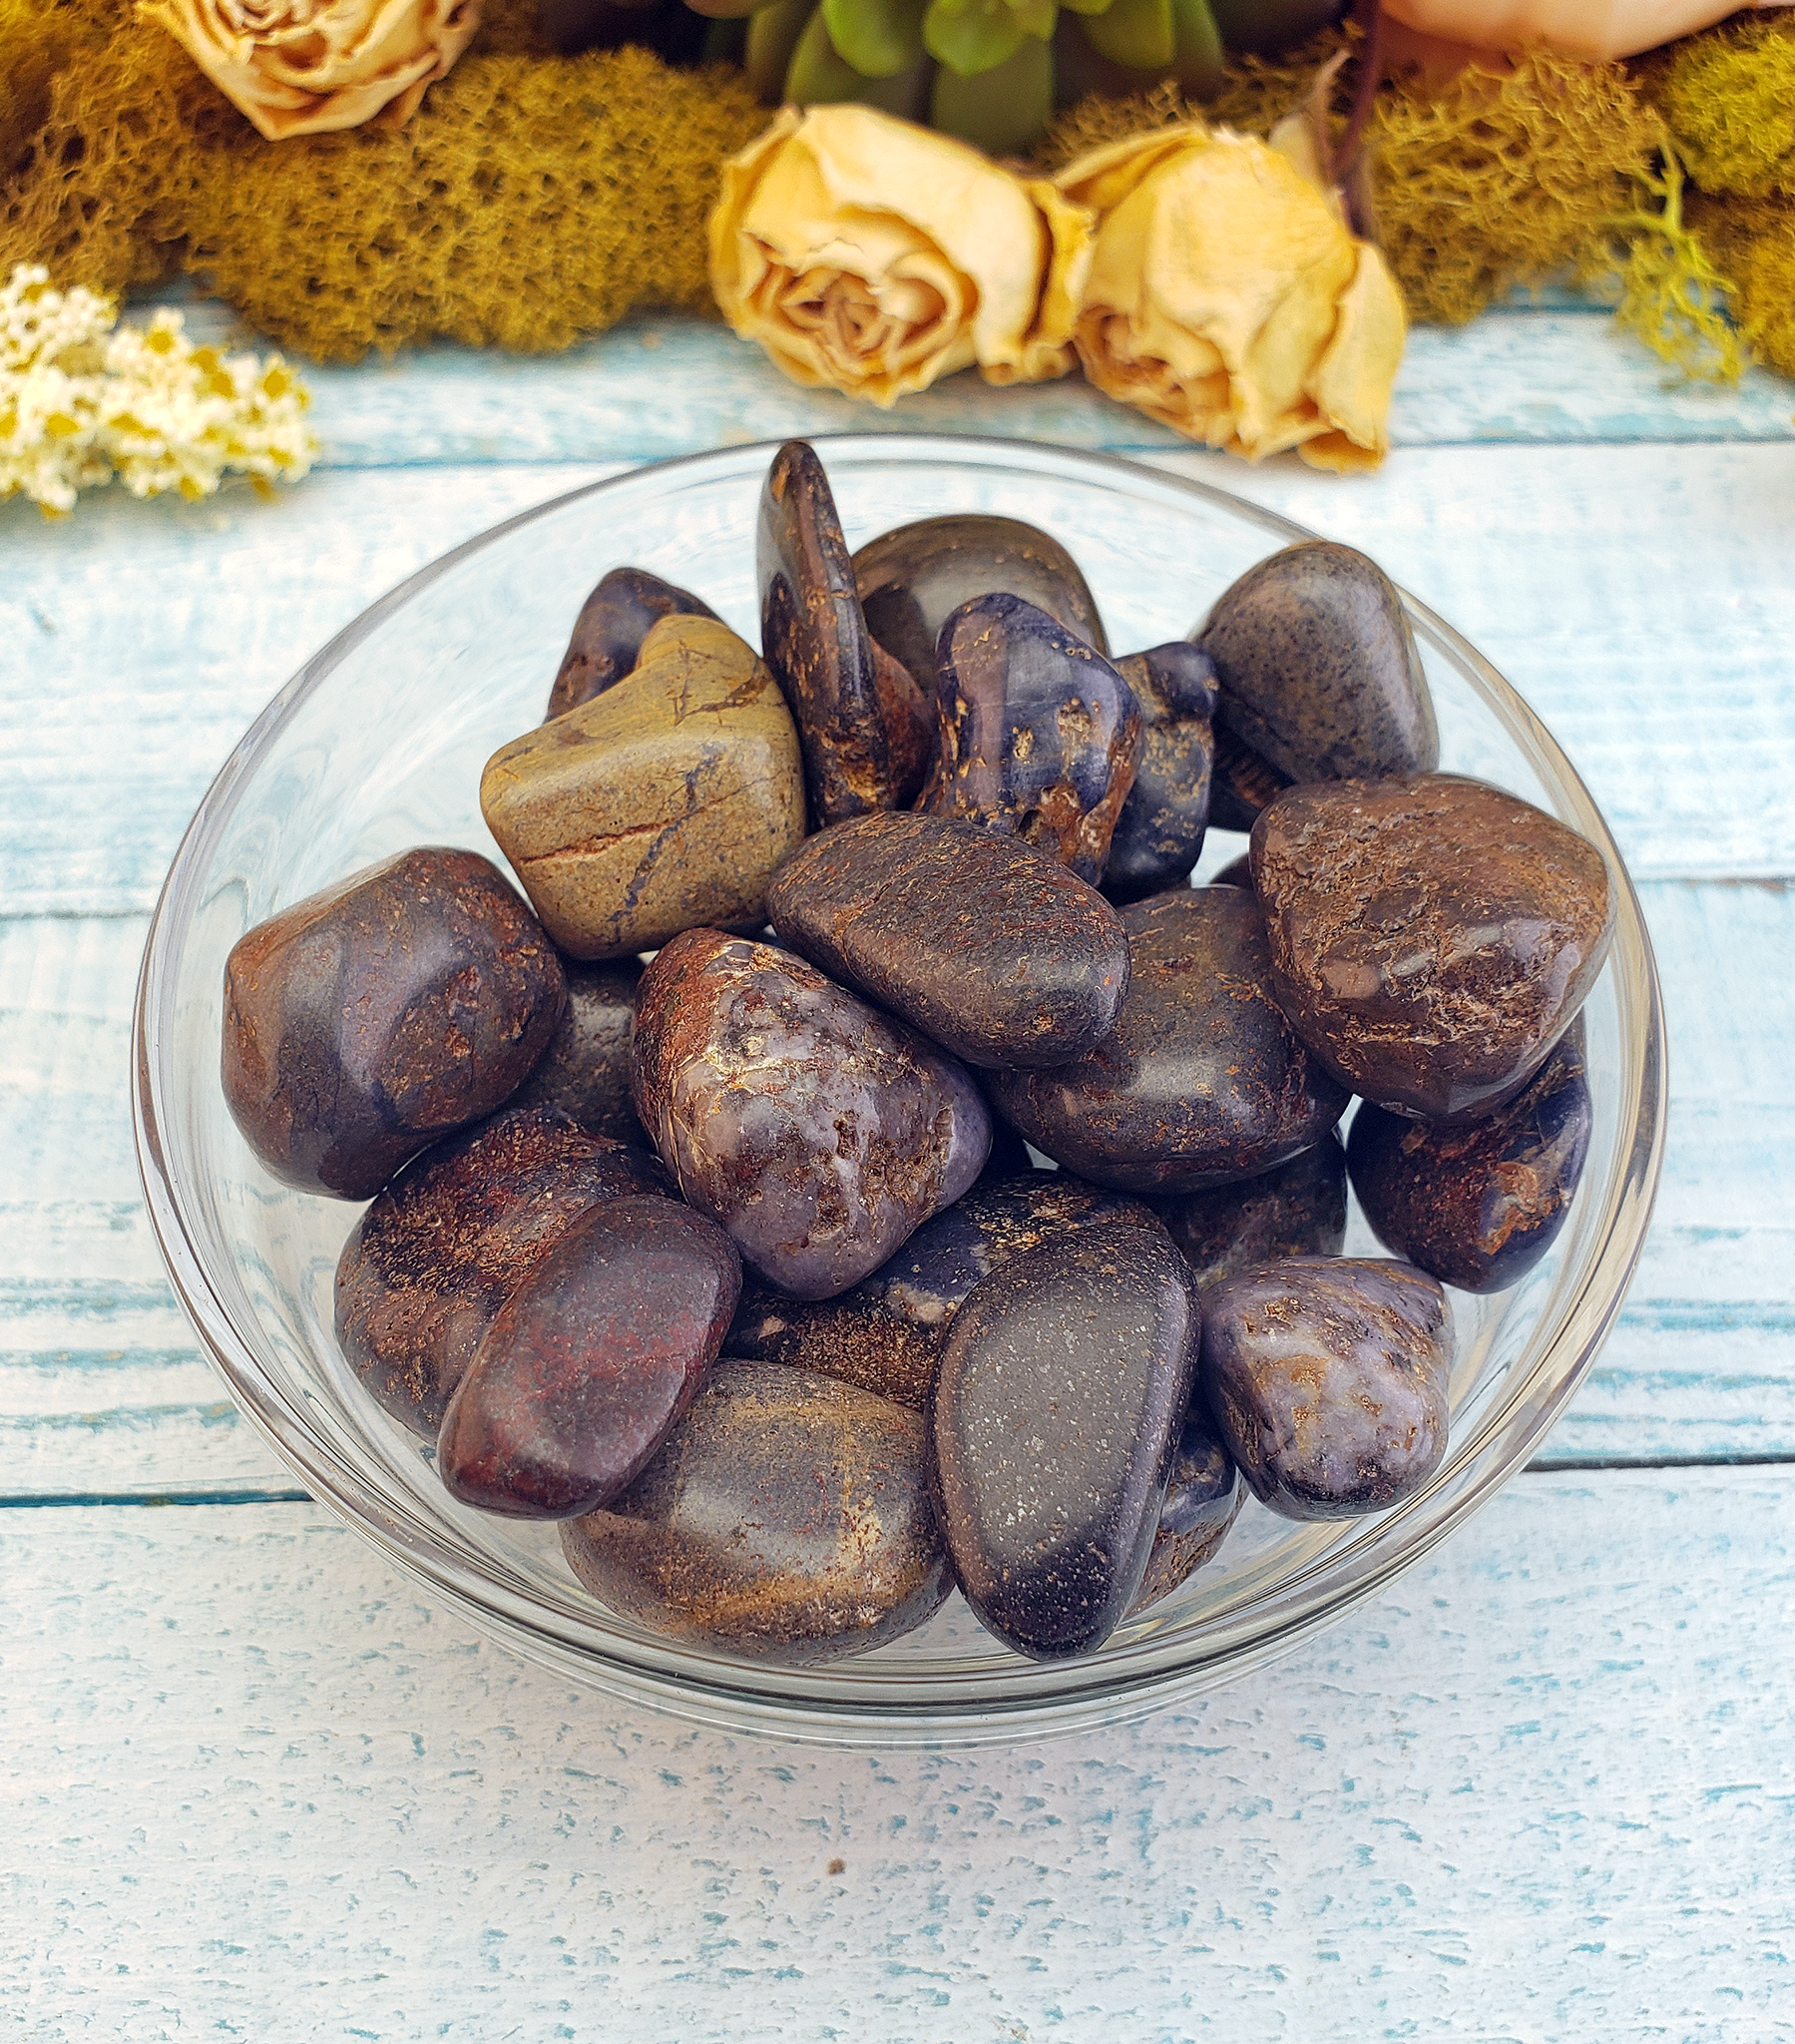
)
(819, 1131)
(1202, 1081)
(1329, 1379)
(997, 954)
(788, 1519)
(1038, 736)
(375, 1017)
(1204, 1495)
(1316, 668)
(1063, 1382)
(1477, 1204)
(1160, 835)
(886, 1333)
(591, 1361)
(1431, 939)
(913, 579)
(429, 1266)
(665, 802)
(585, 1072)
(815, 641)
(1297, 1209)
(608, 634)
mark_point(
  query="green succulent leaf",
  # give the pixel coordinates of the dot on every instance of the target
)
(877, 37)
(1197, 56)
(774, 34)
(1137, 33)
(974, 36)
(818, 77)
(1003, 110)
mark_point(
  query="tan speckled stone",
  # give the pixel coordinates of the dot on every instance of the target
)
(664, 803)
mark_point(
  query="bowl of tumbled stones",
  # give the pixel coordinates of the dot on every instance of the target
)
(900, 1089)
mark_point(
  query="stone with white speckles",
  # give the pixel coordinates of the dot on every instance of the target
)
(1329, 1379)
(1064, 1382)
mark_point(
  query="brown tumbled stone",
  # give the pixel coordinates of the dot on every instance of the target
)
(1431, 939)
(429, 1266)
(817, 645)
(913, 579)
(1329, 1379)
(592, 1360)
(1063, 1382)
(1297, 1209)
(999, 954)
(1204, 1496)
(786, 1519)
(608, 634)
(1037, 737)
(1202, 1081)
(886, 1333)
(820, 1132)
(1159, 833)
(1316, 668)
(663, 802)
(363, 1024)
(585, 1072)
(1477, 1204)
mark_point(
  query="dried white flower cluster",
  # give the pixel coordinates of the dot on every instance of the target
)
(85, 402)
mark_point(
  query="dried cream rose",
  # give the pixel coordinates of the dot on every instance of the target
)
(870, 255)
(1583, 28)
(301, 67)
(1227, 298)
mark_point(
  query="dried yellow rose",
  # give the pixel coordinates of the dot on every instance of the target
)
(870, 255)
(1228, 298)
(82, 404)
(302, 66)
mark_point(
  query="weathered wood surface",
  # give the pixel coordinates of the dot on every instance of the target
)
(1640, 597)
(663, 385)
(258, 1787)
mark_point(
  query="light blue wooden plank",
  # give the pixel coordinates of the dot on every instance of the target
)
(103, 1390)
(664, 384)
(259, 1784)
(1638, 597)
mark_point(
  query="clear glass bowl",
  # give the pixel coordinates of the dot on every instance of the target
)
(377, 744)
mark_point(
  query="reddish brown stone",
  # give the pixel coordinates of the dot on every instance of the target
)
(814, 637)
(585, 1072)
(429, 1266)
(363, 1024)
(1202, 1081)
(1431, 939)
(788, 1519)
(1477, 1204)
(1297, 1209)
(591, 1361)
(997, 954)
(608, 634)
(1204, 1495)
(913, 579)
(817, 1131)
(1329, 1379)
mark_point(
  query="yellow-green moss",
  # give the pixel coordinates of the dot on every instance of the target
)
(533, 200)
(1728, 98)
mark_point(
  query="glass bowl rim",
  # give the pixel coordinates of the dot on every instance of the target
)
(831, 1702)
